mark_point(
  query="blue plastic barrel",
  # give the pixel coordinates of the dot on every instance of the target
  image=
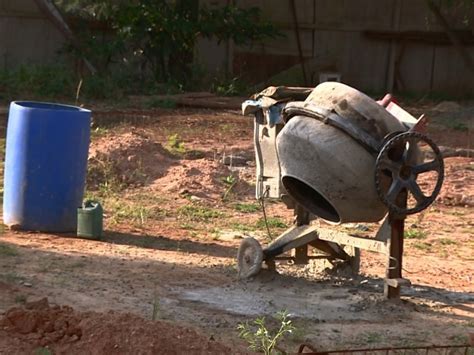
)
(45, 165)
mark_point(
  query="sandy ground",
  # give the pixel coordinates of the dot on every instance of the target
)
(175, 215)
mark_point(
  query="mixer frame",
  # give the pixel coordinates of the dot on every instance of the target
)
(332, 243)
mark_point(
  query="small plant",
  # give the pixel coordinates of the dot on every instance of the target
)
(175, 144)
(373, 337)
(446, 241)
(42, 351)
(243, 227)
(423, 246)
(7, 250)
(20, 299)
(232, 87)
(260, 338)
(161, 103)
(156, 308)
(247, 207)
(198, 213)
(230, 181)
(99, 132)
(415, 234)
(273, 222)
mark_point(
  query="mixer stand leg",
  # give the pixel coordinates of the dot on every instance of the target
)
(394, 279)
(297, 237)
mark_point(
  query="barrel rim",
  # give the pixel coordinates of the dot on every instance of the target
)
(48, 106)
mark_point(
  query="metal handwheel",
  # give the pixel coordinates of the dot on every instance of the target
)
(249, 258)
(398, 159)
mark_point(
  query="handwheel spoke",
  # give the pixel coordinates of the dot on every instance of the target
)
(425, 167)
(408, 151)
(416, 191)
(394, 190)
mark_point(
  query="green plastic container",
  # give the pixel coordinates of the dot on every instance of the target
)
(90, 220)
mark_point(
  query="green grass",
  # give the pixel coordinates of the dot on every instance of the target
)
(20, 299)
(98, 132)
(175, 145)
(11, 277)
(42, 351)
(446, 241)
(198, 213)
(370, 338)
(187, 226)
(136, 213)
(415, 234)
(8, 250)
(242, 227)
(247, 207)
(160, 103)
(423, 246)
(273, 222)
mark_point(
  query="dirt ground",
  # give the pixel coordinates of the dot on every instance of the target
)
(178, 191)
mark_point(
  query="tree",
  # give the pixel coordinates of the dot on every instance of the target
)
(162, 34)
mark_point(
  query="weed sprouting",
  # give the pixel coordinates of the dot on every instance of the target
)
(273, 222)
(446, 241)
(415, 234)
(199, 213)
(262, 339)
(20, 299)
(423, 246)
(99, 132)
(8, 250)
(372, 337)
(243, 227)
(42, 351)
(160, 103)
(230, 181)
(175, 144)
(247, 207)
(156, 308)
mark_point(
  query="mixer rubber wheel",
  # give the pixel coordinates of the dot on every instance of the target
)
(249, 258)
(397, 159)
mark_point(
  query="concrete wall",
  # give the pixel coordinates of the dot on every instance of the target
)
(333, 39)
(26, 35)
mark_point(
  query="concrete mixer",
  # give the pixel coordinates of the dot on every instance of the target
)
(335, 154)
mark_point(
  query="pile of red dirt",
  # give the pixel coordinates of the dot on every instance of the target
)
(128, 159)
(134, 159)
(62, 330)
(201, 177)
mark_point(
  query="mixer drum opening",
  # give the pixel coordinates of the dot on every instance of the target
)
(310, 199)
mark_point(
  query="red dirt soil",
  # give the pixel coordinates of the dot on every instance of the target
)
(62, 330)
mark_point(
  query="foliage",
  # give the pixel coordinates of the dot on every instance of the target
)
(198, 213)
(247, 207)
(159, 36)
(415, 234)
(59, 81)
(161, 103)
(7, 250)
(273, 222)
(260, 338)
(233, 87)
(37, 80)
(175, 144)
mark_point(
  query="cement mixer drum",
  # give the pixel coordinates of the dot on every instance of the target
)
(325, 169)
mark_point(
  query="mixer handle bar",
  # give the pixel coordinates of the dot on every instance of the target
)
(371, 144)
